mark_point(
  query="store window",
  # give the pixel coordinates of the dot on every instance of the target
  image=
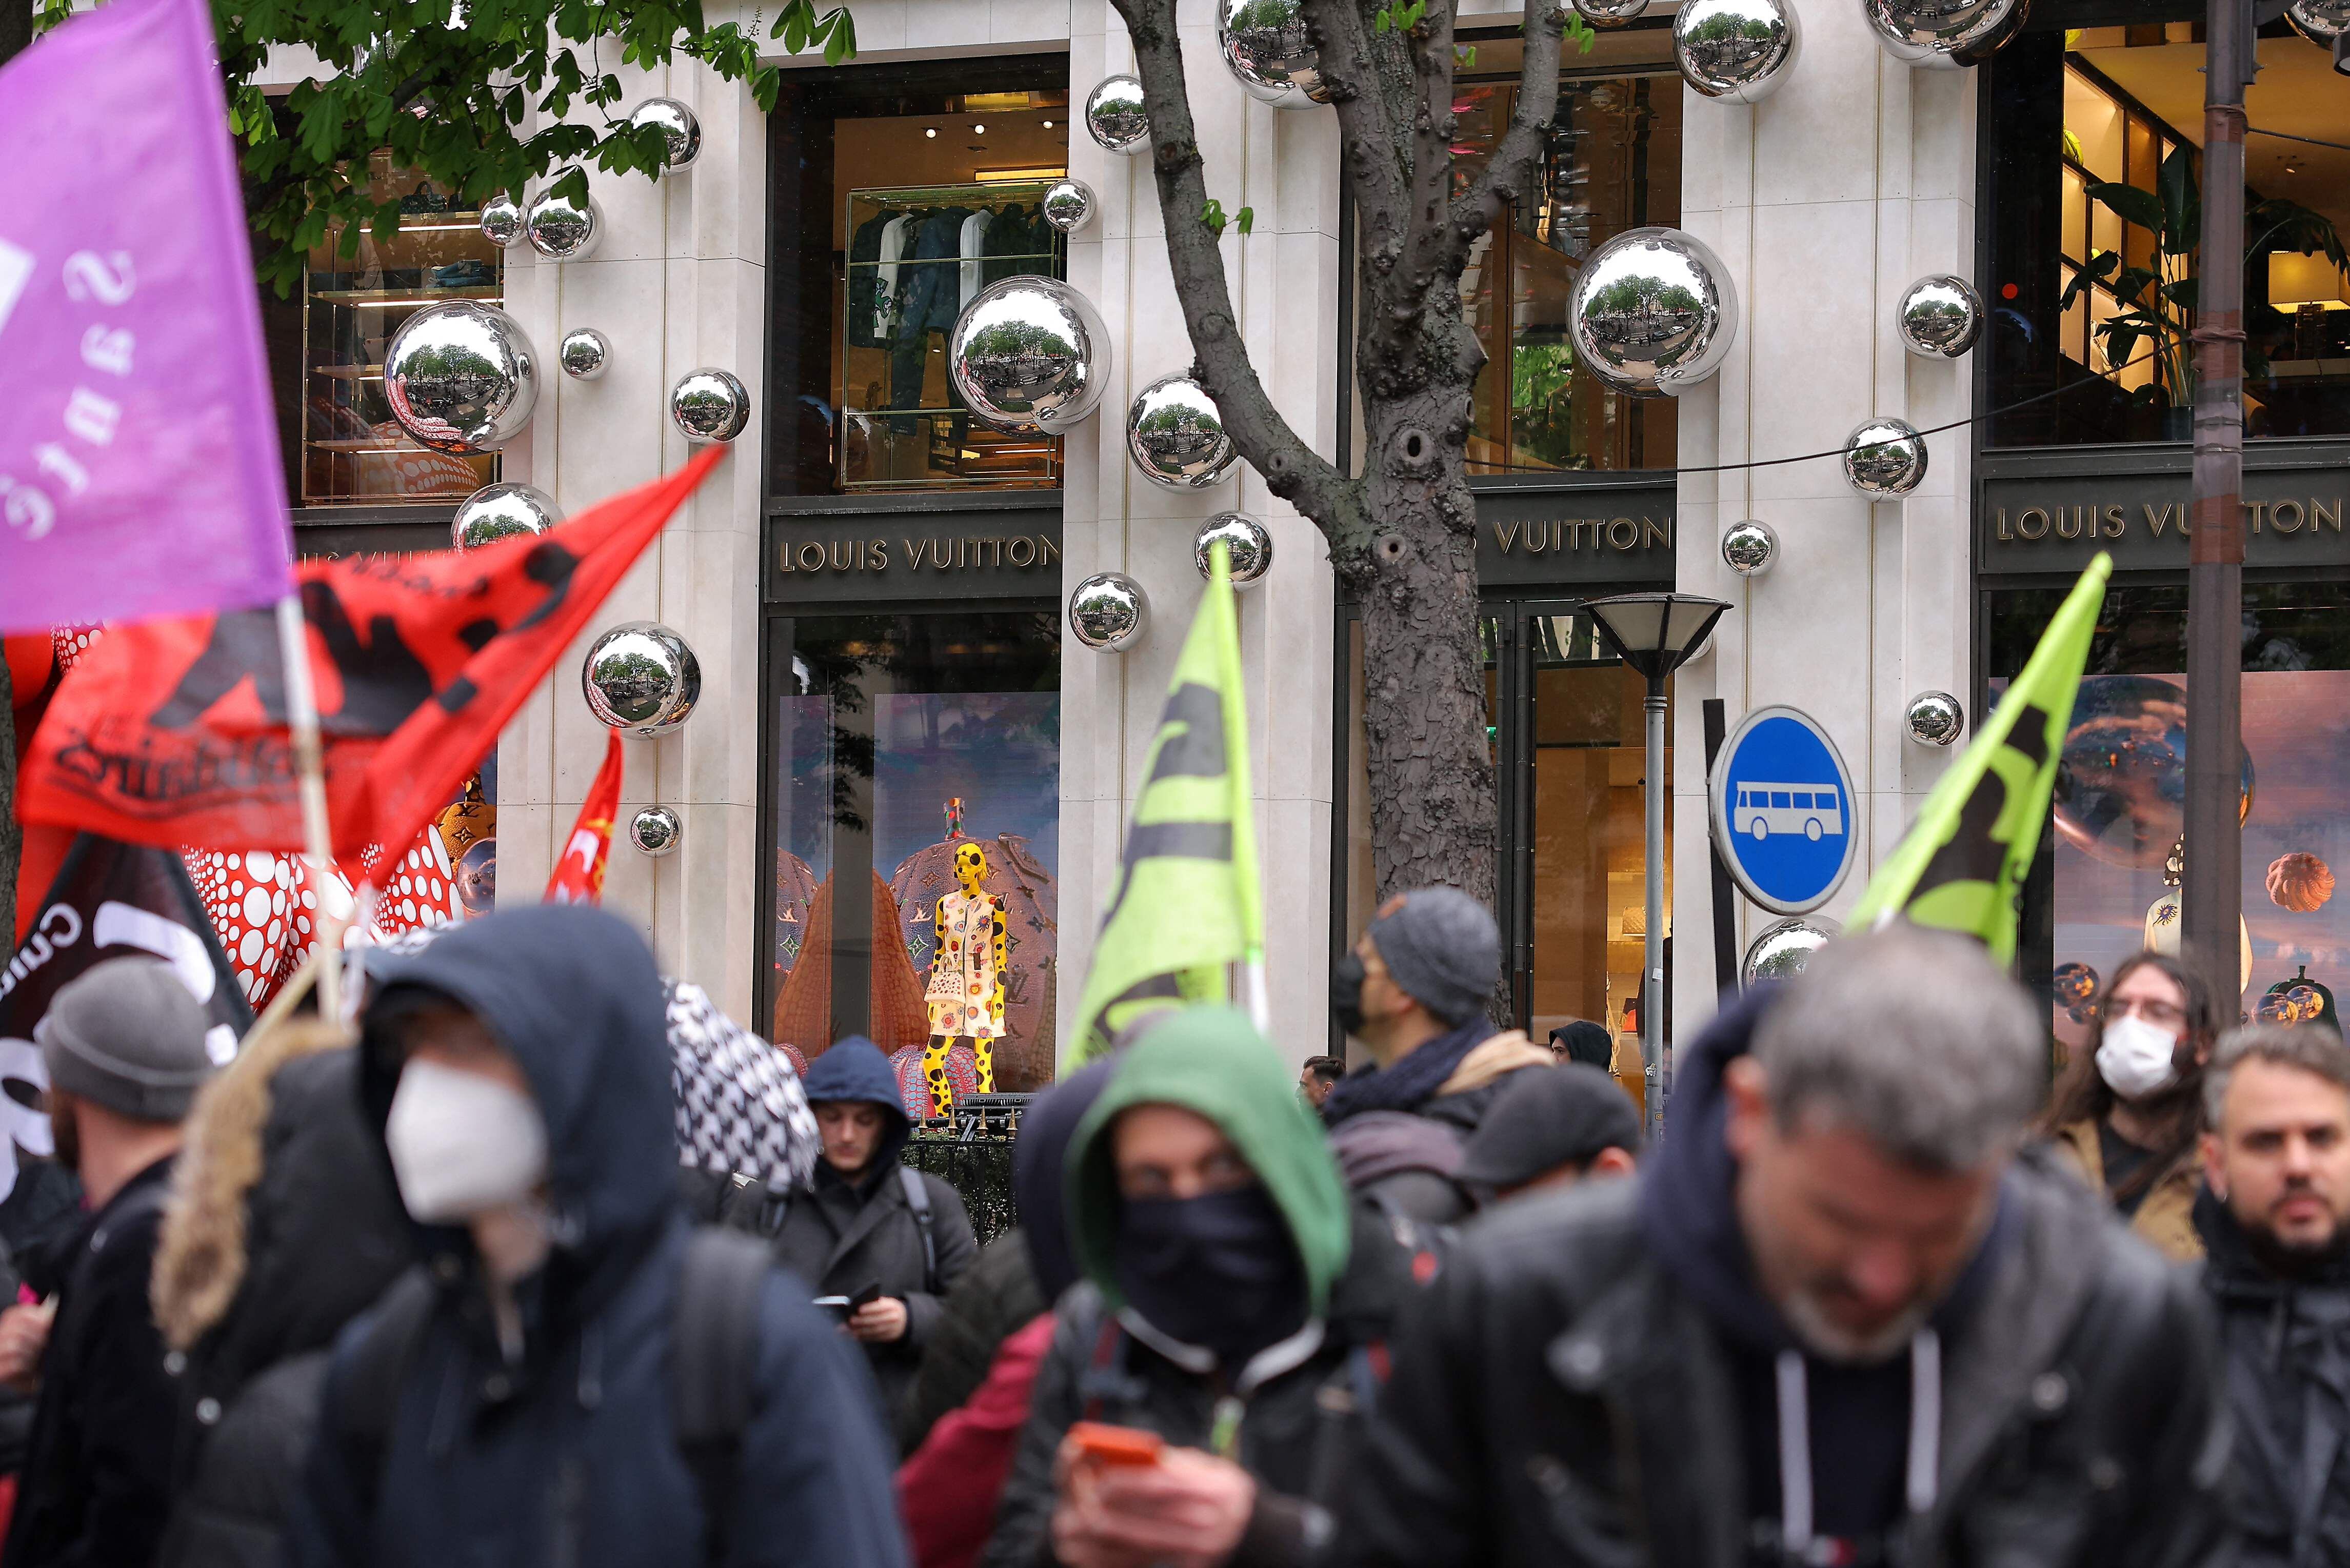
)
(1613, 163)
(2092, 231)
(900, 192)
(913, 760)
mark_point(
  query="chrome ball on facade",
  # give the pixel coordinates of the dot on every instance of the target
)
(1107, 610)
(679, 127)
(1885, 458)
(1176, 436)
(1749, 548)
(1652, 313)
(710, 404)
(1265, 44)
(1247, 542)
(1030, 354)
(1610, 13)
(2319, 21)
(1782, 949)
(1946, 33)
(501, 511)
(584, 353)
(1939, 317)
(641, 677)
(460, 377)
(561, 229)
(502, 219)
(1737, 49)
(1935, 718)
(1068, 204)
(656, 830)
(1114, 116)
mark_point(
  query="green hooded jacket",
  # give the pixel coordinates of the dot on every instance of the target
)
(1212, 1062)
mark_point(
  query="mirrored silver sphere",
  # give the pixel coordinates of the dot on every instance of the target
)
(1068, 204)
(1264, 43)
(656, 830)
(1176, 436)
(1248, 543)
(678, 128)
(1114, 116)
(1749, 548)
(561, 229)
(641, 677)
(710, 404)
(502, 219)
(1029, 354)
(2319, 21)
(1885, 458)
(1939, 317)
(460, 377)
(1652, 313)
(501, 511)
(1935, 718)
(1610, 13)
(1107, 610)
(1946, 33)
(1782, 949)
(1739, 50)
(584, 353)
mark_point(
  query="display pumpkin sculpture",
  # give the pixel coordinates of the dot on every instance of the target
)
(2300, 882)
(967, 968)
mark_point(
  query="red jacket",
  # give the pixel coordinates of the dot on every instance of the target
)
(947, 1491)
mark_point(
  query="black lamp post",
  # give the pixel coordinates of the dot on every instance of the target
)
(1655, 633)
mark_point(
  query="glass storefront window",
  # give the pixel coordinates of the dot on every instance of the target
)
(897, 744)
(2094, 151)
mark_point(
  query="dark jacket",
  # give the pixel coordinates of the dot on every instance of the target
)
(1563, 1394)
(840, 1236)
(569, 1455)
(2285, 1347)
(1411, 1175)
(996, 1295)
(97, 1483)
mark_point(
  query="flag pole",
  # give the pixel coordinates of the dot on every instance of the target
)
(310, 771)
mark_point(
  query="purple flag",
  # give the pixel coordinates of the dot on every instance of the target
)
(139, 463)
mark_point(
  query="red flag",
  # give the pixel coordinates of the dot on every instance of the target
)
(580, 871)
(173, 732)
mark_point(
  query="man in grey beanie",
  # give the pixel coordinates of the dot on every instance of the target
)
(124, 1047)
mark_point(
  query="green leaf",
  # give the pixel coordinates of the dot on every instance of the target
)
(2181, 202)
(1245, 218)
(1381, 22)
(2102, 264)
(1212, 214)
(2143, 208)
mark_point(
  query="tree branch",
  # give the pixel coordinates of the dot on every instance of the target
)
(1373, 139)
(1504, 179)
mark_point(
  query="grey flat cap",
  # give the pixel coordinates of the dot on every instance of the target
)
(128, 1036)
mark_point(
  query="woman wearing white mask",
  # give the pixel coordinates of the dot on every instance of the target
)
(2128, 1109)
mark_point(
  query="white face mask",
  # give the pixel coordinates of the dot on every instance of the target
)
(462, 1143)
(2136, 1058)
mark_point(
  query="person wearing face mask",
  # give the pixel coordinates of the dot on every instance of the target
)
(1230, 1308)
(574, 1375)
(1836, 1319)
(2128, 1109)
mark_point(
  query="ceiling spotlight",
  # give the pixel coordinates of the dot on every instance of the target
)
(979, 130)
(929, 130)
(1048, 125)
(2342, 51)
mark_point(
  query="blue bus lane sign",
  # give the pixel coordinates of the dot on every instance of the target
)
(1783, 809)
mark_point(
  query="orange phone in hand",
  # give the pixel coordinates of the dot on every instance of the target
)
(1126, 1446)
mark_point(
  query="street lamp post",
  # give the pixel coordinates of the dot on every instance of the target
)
(1655, 633)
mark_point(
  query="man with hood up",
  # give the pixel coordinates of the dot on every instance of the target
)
(1228, 1306)
(520, 1399)
(1836, 1320)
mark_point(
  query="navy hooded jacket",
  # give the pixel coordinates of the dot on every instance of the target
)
(569, 1457)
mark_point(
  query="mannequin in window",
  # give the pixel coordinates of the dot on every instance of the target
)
(967, 966)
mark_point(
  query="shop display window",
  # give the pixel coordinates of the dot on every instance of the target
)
(2094, 157)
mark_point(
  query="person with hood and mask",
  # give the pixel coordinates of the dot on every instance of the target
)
(1230, 1309)
(575, 1376)
(1835, 1320)
(866, 1225)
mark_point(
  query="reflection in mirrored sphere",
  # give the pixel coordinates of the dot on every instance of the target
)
(2121, 783)
(1068, 204)
(1782, 949)
(1107, 610)
(710, 404)
(1610, 13)
(561, 229)
(1264, 43)
(1939, 317)
(502, 219)
(641, 677)
(1029, 354)
(1946, 33)
(1652, 312)
(656, 830)
(1176, 436)
(501, 511)
(678, 128)
(584, 353)
(460, 377)
(1114, 116)
(1737, 49)
(1885, 458)
(1935, 718)
(1749, 548)
(2075, 983)
(1247, 542)
(2319, 21)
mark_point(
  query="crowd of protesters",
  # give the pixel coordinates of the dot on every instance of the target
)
(547, 1264)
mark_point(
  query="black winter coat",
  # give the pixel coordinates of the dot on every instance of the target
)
(995, 1297)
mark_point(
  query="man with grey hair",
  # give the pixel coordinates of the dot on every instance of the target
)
(2275, 1216)
(1836, 1319)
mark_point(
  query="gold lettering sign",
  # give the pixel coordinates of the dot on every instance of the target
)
(964, 552)
(2038, 524)
(1547, 535)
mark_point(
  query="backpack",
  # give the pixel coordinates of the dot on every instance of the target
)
(713, 1364)
(745, 1203)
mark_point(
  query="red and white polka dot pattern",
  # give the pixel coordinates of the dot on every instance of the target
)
(256, 911)
(422, 893)
(71, 642)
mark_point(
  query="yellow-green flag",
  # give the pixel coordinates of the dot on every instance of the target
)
(1962, 861)
(1187, 903)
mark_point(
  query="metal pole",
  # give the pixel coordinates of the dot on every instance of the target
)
(1657, 1070)
(2212, 887)
(310, 773)
(1725, 905)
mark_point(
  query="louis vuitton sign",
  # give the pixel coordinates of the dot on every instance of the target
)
(1535, 536)
(2055, 522)
(953, 553)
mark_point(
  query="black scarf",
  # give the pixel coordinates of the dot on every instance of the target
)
(1410, 1083)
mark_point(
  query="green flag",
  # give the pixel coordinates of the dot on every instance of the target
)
(1187, 902)
(1962, 861)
